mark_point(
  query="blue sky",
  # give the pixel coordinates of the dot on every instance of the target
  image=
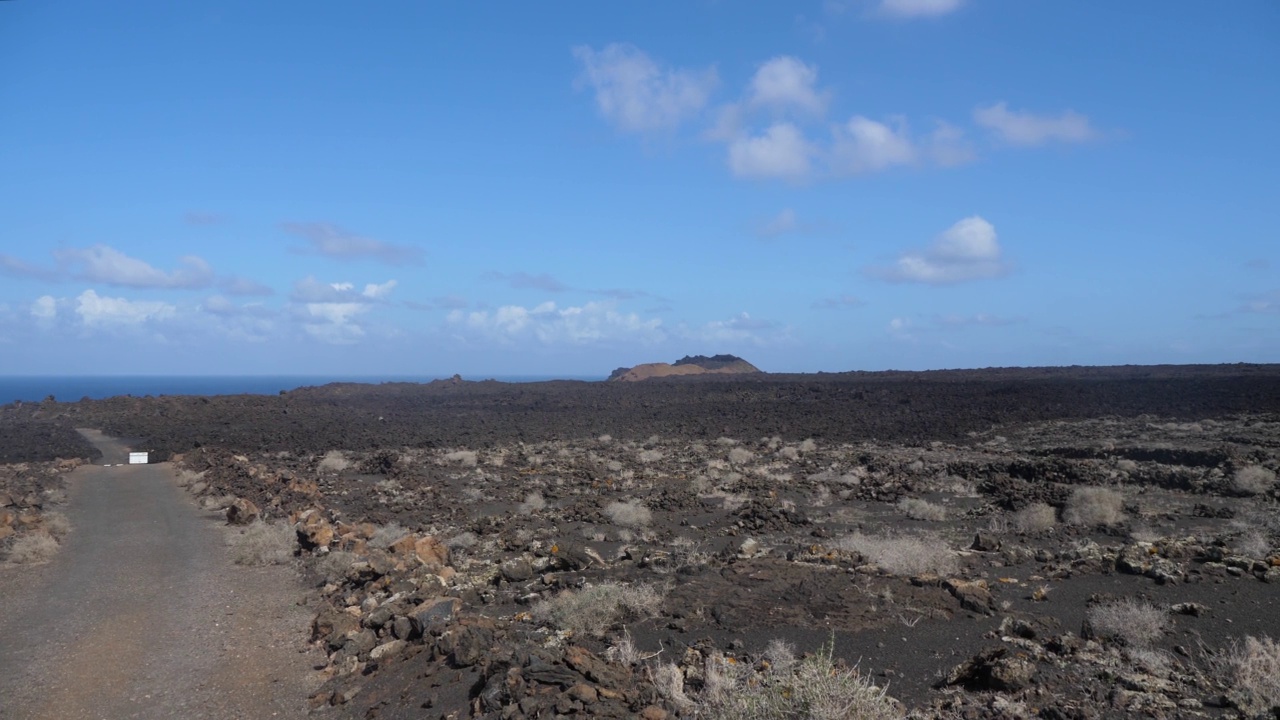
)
(430, 188)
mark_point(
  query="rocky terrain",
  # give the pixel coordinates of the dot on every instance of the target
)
(1073, 543)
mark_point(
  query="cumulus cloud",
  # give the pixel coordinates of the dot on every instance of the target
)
(968, 250)
(739, 329)
(838, 302)
(1028, 129)
(549, 324)
(918, 8)
(785, 83)
(101, 311)
(636, 94)
(44, 309)
(781, 152)
(334, 242)
(330, 312)
(863, 145)
(104, 264)
(947, 146)
(529, 281)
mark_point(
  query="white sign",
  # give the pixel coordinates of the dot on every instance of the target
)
(138, 458)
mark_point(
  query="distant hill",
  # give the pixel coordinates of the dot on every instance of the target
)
(687, 365)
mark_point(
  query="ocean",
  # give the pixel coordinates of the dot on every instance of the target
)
(71, 388)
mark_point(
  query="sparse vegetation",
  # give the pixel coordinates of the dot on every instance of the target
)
(740, 456)
(1092, 506)
(263, 543)
(903, 554)
(334, 461)
(333, 566)
(465, 458)
(918, 509)
(1034, 518)
(384, 536)
(596, 608)
(631, 513)
(649, 456)
(1253, 664)
(57, 524)
(34, 548)
(1138, 623)
(533, 502)
(1253, 480)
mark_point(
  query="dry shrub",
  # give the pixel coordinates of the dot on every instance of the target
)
(631, 513)
(1034, 518)
(596, 608)
(334, 461)
(918, 509)
(533, 502)
(649, 456)
(384, 536)
(789, 453)
(462, 541)
(57, 525)
(38, 547)
(903, 554)
(1253, 480)
(815, 687)
(808, 445)
(1137, 622)
(740, 456)
(465, 458)
(1254, 667)
(1094, 506)
(333, 566)
(262, 543)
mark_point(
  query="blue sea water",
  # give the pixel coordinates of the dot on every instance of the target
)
(71, 388)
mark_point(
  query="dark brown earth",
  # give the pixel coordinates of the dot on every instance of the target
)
(442, 524)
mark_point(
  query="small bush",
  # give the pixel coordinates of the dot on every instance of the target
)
(38, 547)
(384, 536)
(629, 514)
(462, 541)
(57, 525)
(333, 566)
(815, 687)
(596, 608)
(1253, 480)
(1094, 506)
(334, 461)
(262, 543)
(1034, 518)
(740, 456)
(649, 456)
(1254, 667)
(903, 554)
(465, 458)
(918, 509)
(1138, 623)
(533, 502)
(808, 445)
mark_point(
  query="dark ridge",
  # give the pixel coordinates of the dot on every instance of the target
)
(715, 362)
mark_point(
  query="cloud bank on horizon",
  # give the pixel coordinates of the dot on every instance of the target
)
(848, 184)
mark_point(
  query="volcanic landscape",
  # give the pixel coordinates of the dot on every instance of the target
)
(1057, 543)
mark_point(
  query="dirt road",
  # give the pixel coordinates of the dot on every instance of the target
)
(142, 614)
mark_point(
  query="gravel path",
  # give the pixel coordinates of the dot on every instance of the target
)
(143, 615)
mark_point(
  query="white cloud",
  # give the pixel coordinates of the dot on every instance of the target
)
(104, 264)
(968, 250)
(1028, 129)
(739, 329)
(378, 292)
(863, 145)
(100, 311)
(334, 242)
(947, 146)
(784, 83)
(782, 152)
(45, 308)
(330, 312)
(548, 324)
(918, 8)
(636, 94)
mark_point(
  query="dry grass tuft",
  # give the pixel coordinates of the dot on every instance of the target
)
(1254, 667)
(631, 513)
(533, 502)
(334, 461)
(1137, 622)
(1092, 506)
(918, 509)
(465, 458)
(333, 566)
(649, 456)
(1034, 518)
(1253, 480)
(38, 547)
(384, 536)
(740, 456)
(903, 554)
(57, 525)
(596, 608)
(262, 543)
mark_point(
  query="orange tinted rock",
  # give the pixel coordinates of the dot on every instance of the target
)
(431, 552)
